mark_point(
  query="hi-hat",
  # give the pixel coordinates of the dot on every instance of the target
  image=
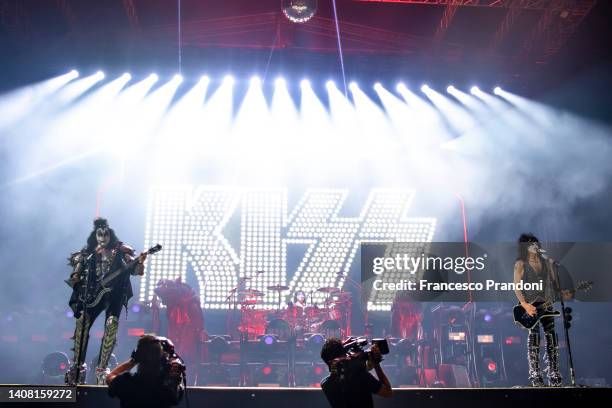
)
(327, 289)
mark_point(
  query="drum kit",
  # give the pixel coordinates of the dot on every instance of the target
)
(331, 317)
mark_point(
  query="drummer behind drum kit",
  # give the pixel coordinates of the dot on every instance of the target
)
(331, 318)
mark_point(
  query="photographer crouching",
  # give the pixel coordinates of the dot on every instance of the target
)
(349, 384)
(159, 379)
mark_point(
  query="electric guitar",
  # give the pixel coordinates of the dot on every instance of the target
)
(97, 290)
(522, 318)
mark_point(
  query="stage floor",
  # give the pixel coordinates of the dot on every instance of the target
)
(97, 397)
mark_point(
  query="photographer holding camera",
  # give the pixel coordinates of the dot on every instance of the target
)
(158, 381)
(349, 383)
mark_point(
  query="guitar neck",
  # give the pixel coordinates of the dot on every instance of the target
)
(119, 271)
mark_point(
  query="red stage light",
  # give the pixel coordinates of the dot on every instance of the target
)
(136, 332)
(318, 370)
(492, 367)
(512, 340)
(266, 370)
(62, 366)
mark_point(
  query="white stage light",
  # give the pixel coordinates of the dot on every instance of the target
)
(100, 75)
(497, 90)
(304, 83)
(255, 81)
(280, 82)
(353, 86)
(425, 88)
(153, 77)
(330, 84)
(228, 79)
(178, 78)
(450, 89)
(474, 90)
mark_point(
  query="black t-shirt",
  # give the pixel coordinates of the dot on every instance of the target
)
(133, 391)
(353, 392)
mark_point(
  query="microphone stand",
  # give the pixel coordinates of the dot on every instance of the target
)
(557, 285)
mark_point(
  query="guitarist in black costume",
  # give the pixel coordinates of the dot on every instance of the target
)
(103, 254)
(532, 267)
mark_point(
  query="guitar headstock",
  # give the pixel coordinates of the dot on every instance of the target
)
(154, 249)
(584, 285)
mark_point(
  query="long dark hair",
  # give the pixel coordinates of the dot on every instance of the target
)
(524, 242)
(147, 355)
(295, 296)
(92, 243)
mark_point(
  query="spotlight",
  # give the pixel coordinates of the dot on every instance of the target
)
(268, 339)
(136, 308)
(492, 366)
(267, 370)
(378, 86)
(474, 90)
(304, 83)
(54, 366)
(497, 90)
(353, 86)
(425, 88)
(178, 78)
(330, 84)
(314, 341)
(451, 89)
(280, 81)
(228, 79)
(126, 76)
(400, 87)
(100, 74)
(204, 79)
(255, 81)
(153, 77)
(74, 73)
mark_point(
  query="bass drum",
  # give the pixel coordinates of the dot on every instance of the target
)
(280, 328)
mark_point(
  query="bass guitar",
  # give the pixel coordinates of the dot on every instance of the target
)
(522, 318)
(97, 290)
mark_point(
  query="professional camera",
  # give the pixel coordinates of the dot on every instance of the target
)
(357, 354)
(170, 357)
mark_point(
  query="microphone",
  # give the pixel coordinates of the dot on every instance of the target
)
(542, 253)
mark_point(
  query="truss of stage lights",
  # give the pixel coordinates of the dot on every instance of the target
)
(279, 81)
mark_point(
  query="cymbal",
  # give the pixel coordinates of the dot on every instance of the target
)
(328, 289)
(340, 302)
(278, 288)
(251, 292)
